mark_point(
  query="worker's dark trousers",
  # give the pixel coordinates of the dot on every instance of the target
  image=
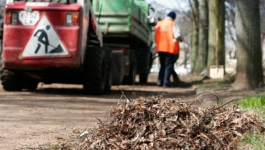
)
(174, 74)
(167, 61)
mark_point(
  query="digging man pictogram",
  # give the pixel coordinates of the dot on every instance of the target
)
(43, 39)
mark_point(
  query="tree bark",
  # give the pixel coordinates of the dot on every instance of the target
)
(216, 49)
(201, 63)
(249, 59)
(195, 33)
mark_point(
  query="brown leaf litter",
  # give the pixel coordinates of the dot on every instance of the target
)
(158, 123)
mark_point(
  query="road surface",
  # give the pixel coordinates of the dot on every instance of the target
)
(56, 112)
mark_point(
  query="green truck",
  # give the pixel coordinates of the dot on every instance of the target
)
(127, 31)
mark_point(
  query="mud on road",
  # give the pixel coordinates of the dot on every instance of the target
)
(55, 112)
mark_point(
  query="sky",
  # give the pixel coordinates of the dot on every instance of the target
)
(162, 7)
(172, 4)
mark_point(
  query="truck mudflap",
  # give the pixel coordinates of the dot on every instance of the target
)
(41, 38)
(144, 63)
(118, 67)
(144, 60)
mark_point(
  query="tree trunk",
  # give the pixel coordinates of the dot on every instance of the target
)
(201, 63)
(195, 33)
(216, 49)
(249, 62)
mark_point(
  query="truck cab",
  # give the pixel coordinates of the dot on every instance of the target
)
(53, 41)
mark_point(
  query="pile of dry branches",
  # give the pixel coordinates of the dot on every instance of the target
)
(156, 123)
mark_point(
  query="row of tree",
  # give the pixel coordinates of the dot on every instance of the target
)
(208, 39)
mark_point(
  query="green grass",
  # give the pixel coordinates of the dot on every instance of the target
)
(253, 102)
(254, 141)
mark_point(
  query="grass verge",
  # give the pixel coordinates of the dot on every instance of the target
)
(253, 102)
(254, 140)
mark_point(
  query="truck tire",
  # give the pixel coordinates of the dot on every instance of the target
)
(94, 71)
(109, 65)
(10, 81)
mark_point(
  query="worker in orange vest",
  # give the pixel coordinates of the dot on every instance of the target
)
(167, 37)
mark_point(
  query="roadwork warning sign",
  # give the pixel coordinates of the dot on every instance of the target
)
(44, 41)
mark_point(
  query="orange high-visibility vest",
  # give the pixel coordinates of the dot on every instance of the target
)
(164, 37)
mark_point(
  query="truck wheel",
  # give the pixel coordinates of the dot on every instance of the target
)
(143, 78)
(94, 71)
(10, 81)
(108, 83)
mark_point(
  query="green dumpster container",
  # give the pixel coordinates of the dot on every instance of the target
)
(125, 25)
(123, 19)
